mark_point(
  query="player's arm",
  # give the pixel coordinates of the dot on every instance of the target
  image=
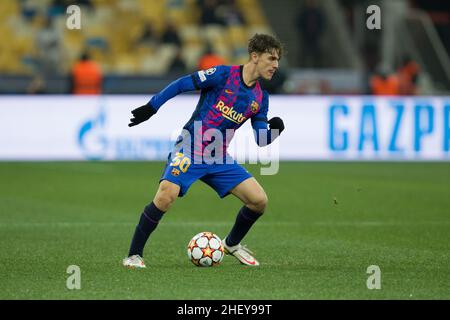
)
(196, 81)
(266, 135)
(144, 112)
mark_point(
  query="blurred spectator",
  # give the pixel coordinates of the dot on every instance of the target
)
(48, 43)
(148, 36)
(408, 73)
(384, 83)
(29, 9)
(86, 77)
(210, 59)
(208, 12)
(178, 66)
(59, 7)
(310, 23)
(170, 35)
(230, 14)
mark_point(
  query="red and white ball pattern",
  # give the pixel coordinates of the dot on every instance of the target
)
(205, 249)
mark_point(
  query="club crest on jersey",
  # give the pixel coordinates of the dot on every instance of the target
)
(229, 113)
(255, 106)
(175, 172)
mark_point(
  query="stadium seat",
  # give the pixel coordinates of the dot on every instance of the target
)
(111, 30)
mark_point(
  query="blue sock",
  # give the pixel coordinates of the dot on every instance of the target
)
(244, 221)
(148, 222)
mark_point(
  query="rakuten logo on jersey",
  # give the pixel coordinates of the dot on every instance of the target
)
(229, 113)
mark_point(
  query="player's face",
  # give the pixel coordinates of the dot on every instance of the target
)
(268, 64)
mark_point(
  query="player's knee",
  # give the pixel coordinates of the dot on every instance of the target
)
(165, 197)
(164, 200)
(259, 203)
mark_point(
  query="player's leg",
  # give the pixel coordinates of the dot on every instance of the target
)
(234, 179)
(175, 181)
(251, 194)
(255, 201)
(165, 196)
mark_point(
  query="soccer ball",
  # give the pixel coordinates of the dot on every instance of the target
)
(205, 249)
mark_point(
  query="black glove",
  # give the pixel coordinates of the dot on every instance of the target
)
(141, 114)
(276, 123)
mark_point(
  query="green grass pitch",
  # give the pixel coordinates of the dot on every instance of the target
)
(326, 223)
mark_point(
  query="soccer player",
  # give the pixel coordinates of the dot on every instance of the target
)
(230, 95)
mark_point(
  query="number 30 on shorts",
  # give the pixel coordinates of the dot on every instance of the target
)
(181, 161)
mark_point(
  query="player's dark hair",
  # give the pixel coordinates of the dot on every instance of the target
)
(261, 43)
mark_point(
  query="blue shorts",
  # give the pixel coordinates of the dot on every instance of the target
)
(221, 177)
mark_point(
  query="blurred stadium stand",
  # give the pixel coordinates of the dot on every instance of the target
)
(142, 44)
